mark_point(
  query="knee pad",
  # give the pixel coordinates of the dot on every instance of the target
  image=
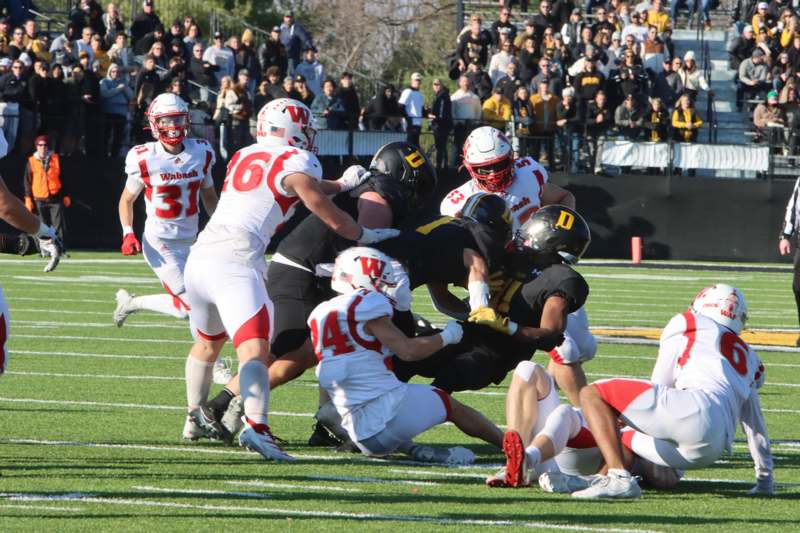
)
(526, 369)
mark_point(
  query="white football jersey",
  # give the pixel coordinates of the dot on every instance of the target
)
(171, 185)
(253, 204)
(697, 353)
(523, 196)
(354, 367)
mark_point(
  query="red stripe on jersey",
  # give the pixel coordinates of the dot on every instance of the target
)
(584, 439)
(388, 362)
(352, 326)
(207, 164)
(256, 327)
(284, 202)
(3, 339)
(556, 357)
(627, 438)
(620, 393)
(540, 179)
(691, 334)
(448, 408)
(208, 337)
(176, 300)
(148, 189)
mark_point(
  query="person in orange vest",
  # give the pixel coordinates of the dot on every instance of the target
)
(43, 187)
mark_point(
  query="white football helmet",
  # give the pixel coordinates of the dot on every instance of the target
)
(489, 158)
(168, 116)
(362, 267)
(286, 122)
(724, 304)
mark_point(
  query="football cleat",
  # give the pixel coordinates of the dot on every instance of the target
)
(322, 437)
(192, 431)
(222, 371)
(460, 456)
(456, 455)
(613, 485)
(517, 471)
(232, 419)
(204, 417)
(263, 443)
(497, 480)
(560, 483)
(122, 311)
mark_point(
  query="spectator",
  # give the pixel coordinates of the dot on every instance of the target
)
(499, 61)
(781, 72)
(294, 39)
(43, 187)
(466, 112)
(175, 31)
(99, 54)
(246, 58)
(384, 112)
(763, 21)
(121, 55)
(145, 22)
(17, 45)
(306, 95)
(569, 129)
(769, 120)
(630, 78)
(473, 45)
(544, 105)
(503, 27)
(69, 34)
(572, 29)
(440, 115)
(201, 71)
(55, 107)
(656, 16)
(176, 48)
(349, 96)
(668, 84)
(147, 74)
(227, 104)
(693, 79)
(192, 37)
(262, 96)
(497, 110)
(685, 120)
(546, 74)
(221, 57)
(529, 32)
(753, 75)
(5, 35)
(411, 99)
(289, 88)
(742, 47)
(543, 19)
(528, 60)
(14, 88)
(790, 28)
(90, 97)
(509, 82)
(39, 88)
(653, 51)
(523, 118)
(562, 9)
(328, 108)
(274, 87)
(272, 53)
(75, 112)
(312, 70)
(84, 44)
(479, 81)
(628, 118)
(656, 121)
(587, 85)
(115, 98)
(145, 44)
(240, 117)
(598, 120)
(112, 23)
(635, 28)
(159, 54)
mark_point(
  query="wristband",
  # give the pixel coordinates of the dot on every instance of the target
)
(126, 230)
(512, 327)
(478, 294)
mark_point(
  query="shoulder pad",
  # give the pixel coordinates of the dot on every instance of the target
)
(371, 305)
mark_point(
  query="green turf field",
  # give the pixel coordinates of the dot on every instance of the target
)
(90, 419)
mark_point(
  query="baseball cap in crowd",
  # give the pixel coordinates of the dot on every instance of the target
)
(217, 35)
(576, 11)
(758, 52)
(40, 139)
(244, 72)
(416, 76)
(557, 36)
(747, 28)
(497, 90)
(530, 23)
(589, 49)
(287, 78)
(772, 95)
(308, 47)
(568, 91)
(300, 78)
(289, 14)
(148, 3)
(276, 29)
(763, 5)
(616, 36)
(688, 56)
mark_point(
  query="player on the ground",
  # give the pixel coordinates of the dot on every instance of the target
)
(354, 337)
(400, 178)
(525, 186)
(704, 382)
(525, 315)
(225, 271)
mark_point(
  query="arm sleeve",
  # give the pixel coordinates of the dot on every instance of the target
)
(755, 429)
(134, 183)
(790, 218)
(208, 179)
(373, 305)
(557, 280)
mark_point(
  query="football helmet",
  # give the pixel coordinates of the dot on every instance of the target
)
(286, 122)
(409, 165)
(362, 267)
(724, 304)
(489, 158)
(168, 116)
(554, 234)
(491, 211)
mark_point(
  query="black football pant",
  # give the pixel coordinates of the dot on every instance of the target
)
(52, 214)
(796, 278)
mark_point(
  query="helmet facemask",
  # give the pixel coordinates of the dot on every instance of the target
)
(494, 176)
(171, 129)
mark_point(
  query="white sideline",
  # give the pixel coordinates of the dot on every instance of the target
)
(320, 514)
(39, 324)
(268, 485)
(205, 492)
(143, 357)
(39, 507)
(85, 338)
(374, 480)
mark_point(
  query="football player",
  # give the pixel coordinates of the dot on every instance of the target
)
(704, 382)
(226, 268)
(400, 177)
(525, 186)
(353, 337)
(525, 315)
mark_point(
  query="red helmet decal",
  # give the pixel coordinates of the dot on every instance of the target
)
(298, 114)
(372, 266)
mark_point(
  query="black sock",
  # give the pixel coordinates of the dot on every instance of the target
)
(220, 402)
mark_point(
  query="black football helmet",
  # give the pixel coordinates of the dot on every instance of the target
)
(554, 234)
(491, 211)
(409, 165)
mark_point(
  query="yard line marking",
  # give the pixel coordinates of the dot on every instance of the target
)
(85, 338)
(55, 324)
(441, 474)
(94, 376)
(98, 355)
(793, 411)
(39, 507)
(205, 492)
(380, 481)
(326, 514)
(82, 300)
(70, 261)
(91, 279)
(267, 485)
(59, 311)
(734, 482)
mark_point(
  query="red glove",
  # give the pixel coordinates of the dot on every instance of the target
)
(130, 245)
(67, 201)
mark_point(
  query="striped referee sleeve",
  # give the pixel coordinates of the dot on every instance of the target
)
(791, 218)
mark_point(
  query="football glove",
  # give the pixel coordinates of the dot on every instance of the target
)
(130, 244)
(67, 201)
(354, 176)
(763, 487)
(371, 236)
(452, 333)
(486, 316)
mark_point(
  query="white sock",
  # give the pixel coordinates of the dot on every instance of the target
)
(159, 303)
(198, 381)
(534, 455)
(254, 383)
(478, 294)
(619, 472)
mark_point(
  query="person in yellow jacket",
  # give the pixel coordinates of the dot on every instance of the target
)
(685, 121)
(43, 187)
(497, 109)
